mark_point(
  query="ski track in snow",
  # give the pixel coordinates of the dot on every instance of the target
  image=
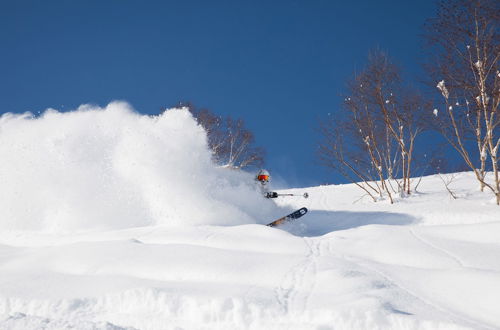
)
(461, 264)
(298, 283)
(432, 305)
(434, 246)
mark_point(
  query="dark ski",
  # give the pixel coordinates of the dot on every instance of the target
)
(292, 216)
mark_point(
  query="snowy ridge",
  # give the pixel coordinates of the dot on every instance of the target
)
(113, 220)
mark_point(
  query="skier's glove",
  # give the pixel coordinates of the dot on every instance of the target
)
(271, 194)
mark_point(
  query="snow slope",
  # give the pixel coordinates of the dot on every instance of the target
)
(113, 220)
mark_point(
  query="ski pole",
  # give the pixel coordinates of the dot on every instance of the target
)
(305, 195)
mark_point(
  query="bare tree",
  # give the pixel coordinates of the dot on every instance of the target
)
(238, 151)
(401, 110)
(466, 38)
(231, 143)
(380, 124)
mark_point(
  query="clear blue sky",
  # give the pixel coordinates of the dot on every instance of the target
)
(279, 65)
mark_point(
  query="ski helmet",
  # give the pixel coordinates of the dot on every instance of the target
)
(263, 176)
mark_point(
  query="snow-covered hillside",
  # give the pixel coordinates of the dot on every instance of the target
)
(113, 220)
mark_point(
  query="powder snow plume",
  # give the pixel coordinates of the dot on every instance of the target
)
(110, 168)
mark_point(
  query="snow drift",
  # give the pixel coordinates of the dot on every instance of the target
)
(103, 168)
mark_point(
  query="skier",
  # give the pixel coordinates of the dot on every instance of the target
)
(263, 178)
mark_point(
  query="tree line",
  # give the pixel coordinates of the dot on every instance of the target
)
(373, 138)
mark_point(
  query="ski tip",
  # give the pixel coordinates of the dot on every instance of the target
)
(292, 216)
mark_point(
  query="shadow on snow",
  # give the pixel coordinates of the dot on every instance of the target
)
(318, 223)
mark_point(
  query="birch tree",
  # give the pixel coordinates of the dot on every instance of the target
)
(373, 138)
(465, 36)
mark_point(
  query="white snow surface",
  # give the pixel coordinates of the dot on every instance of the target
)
(114, 220)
